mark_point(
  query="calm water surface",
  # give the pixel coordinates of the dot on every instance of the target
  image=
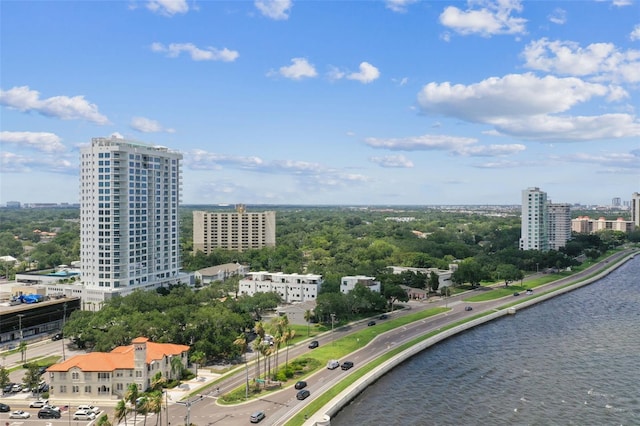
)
(573, 360)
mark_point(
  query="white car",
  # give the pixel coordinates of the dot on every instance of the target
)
(51, 407)
(83, 415)
(92, 408)
(38, 404)
(19, 414)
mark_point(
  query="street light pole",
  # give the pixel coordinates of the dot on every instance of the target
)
(333, 318)
(188, 404)
(21, 336)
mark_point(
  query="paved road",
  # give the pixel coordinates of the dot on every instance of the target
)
(280, 406)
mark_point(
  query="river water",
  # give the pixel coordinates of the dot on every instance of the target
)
(573, 360)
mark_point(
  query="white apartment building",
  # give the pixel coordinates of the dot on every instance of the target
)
(348, 283)
(534, 220)
(291, 287)
(129, 233)
(238, 230)
(635, 208)
(559, 225)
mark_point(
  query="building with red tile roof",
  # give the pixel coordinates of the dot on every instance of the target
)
(107, 375)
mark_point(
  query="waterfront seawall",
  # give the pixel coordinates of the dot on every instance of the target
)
(324, 415)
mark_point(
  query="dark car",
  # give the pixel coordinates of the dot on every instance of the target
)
(303, 394)
(468, 308)
(383, 316)
(4, 408)
(48, 413)
(347, 365)
(516, 294)
(301, 384)
(314, 344)
(57, 336)
(8, 387)
(370, 323)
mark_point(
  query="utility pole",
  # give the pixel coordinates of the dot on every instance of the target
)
(188, 404)
(333, 318)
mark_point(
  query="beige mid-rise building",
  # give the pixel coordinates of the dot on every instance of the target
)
(240, 230)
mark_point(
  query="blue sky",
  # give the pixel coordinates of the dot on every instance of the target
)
(329, 102)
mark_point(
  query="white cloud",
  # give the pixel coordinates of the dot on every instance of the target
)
(467, 147)
(600, 61)
(274, 9)
(635, 34)
(629, 160)
(569, 129)
(493, 150)
(147, 125)
(173, 50)
(393, 161)
(168, 7)
(299, 69)
(421, 143)
(522, 105)
(49, 162)
(622, 3)
(308, 175)
(399, 6)
(42, 141)
(76, 108)
(514, 95)
(367, 73)
(558, 16)
(204, 160)
(485, 17)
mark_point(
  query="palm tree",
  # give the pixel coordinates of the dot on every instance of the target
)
(198, 357)
(176, 367)
(158, 381)
(307, 317)
(241, 342)
(256, 347)
(155, 405)
(103, 421)
(289, 336)
(131, 396)
(121, 412)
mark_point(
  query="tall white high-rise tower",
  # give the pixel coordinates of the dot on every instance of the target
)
(129, 229)
(635, 208)
(533, 234)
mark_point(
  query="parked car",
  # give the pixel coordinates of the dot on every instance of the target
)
(314, 344)
(300, 384)
(303, 394)
(333, 364)
(19, 414)
(92, 408)
(370, 323)
(38, 403)
(83, 415)
(468, 308)
(8, 387)
(257, 416)
(48, 413)
(42, 370)
(4, 408)
(383, 316)
(16, 388)
(347, 365)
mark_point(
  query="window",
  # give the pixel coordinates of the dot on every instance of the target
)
(87, 389)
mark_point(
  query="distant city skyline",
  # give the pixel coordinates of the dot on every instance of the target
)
(396, 102)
